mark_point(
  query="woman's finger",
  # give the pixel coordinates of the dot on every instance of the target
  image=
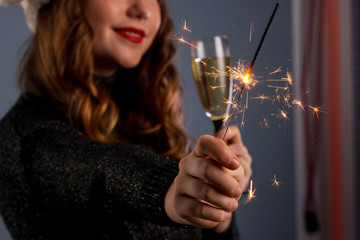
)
(193, 208)
(234, 141)
(198, 189)
(212, 173)
(209, 146)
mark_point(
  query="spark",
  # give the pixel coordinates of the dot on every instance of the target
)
(264, 122)
(278, 88)
(277, 98)
(234, 105)
(281, 114)
(275, 183)
(316, 111)
(182, 40)
(287, 98)
(215, 87)
(251, 29)
(299, 103)
(242, 124)
(276, 71)
(215, 73)
(185, 28)
(275, 80)
(261, 97)
(226, 118)
(251, 192)
(284, 114)
(289, 78)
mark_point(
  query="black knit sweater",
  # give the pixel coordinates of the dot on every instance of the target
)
(55, 183)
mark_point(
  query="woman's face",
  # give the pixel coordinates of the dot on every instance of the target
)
(124, 31)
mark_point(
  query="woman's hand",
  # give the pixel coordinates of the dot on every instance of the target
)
(209, 184)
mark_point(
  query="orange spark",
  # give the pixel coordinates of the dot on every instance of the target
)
(264, 122)
(276, 71)
(182, 40)
(278, 88)
(226, 118)
(215, 87)
(281, 114)
(261, 97)
(277, 98)
(287, 98)
(275, 183)
(284, 114)
(316, 111)
(233, 104)
(185, 28)
(251, 192)
(299, 103)
(242, 124)
(289, 78)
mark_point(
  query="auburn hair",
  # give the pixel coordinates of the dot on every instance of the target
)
(144, 105)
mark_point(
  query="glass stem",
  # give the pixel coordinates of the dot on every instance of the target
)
(217, 124)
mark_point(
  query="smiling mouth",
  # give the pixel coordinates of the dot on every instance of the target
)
(131, 34)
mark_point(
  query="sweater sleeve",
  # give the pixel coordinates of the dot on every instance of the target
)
(73, 174)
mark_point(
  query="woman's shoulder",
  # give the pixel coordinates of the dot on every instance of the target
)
(28, 114)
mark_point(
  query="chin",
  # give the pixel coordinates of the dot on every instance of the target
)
(129, 63)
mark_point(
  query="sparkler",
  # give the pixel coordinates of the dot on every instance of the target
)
(247, 75)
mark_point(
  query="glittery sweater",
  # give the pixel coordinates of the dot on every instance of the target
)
(55, 183)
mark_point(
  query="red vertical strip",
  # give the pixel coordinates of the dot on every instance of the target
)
(332, 21)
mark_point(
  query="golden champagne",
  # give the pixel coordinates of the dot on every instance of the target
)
(212, 81)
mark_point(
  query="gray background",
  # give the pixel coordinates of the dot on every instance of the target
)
(271, 214)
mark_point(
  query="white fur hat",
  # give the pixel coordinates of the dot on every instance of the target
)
(31, 8)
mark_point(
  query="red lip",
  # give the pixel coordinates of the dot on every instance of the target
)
(132, 34)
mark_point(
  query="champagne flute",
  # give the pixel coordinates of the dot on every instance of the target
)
(210, 63)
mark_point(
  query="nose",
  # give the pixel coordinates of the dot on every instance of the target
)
(139, 9)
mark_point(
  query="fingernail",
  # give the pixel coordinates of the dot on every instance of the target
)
(234, 163)
(238, 191)
(235, 205)
(227, 215)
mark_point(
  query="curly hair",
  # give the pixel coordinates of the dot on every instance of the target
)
(59, 66)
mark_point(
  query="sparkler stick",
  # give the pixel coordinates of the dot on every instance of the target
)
(247, 75)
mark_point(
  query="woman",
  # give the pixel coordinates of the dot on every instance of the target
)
(94, 147)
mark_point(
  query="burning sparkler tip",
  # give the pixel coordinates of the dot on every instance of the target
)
(246, 79)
